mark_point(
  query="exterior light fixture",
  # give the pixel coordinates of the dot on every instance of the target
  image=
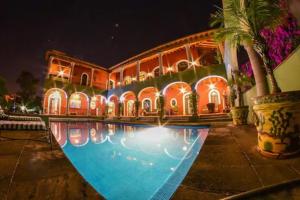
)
(61, 73)
(212, 86)
(194, 63)
(182, 90)
(94, 98)
(149, 74)
(119, 83)
(169, 69)
(157, 94)
(23, 108)
(134, 79)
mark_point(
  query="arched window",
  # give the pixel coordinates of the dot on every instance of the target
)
(173, 102)
(147, 105)
(214, 97)
(84, 79)
(182, 65)
(156, 72)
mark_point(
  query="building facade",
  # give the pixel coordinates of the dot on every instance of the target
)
(184, 77)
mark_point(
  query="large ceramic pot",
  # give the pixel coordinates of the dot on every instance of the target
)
(239, 115)
(278, 124)
(211, 107)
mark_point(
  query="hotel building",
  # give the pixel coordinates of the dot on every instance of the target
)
(185, 77)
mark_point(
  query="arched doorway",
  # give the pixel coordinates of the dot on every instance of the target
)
(177, 101)
(55, 102)
(112, 106)
(78, 104)
(148, 98)
(182, 65)
(212, 89)
(128, 100)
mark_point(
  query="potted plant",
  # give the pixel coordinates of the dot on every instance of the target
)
(211, 107)
(239, 84)
(277, 114)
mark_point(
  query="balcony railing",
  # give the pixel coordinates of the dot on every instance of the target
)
(190, 76)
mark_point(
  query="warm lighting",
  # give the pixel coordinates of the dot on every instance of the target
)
(182, 90)
(134, 79)
(194, 63)
(94, 98)
(157, 94)
(149, 74)
(119, 83)
(23, 108)
(169, 69)
(75, 96)
(122, 99)
(212, 86)
(61, 73)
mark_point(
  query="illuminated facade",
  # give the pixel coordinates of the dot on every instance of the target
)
(164, 81)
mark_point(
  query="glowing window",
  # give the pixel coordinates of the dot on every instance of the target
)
(75, 101)
(84, 79)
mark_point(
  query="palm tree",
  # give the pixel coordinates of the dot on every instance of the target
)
(243, 20)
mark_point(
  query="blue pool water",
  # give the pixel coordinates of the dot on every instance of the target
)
(130, 162)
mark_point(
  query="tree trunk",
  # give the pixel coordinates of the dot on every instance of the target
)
(258, 71)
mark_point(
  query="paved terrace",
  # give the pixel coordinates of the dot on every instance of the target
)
(228, 164)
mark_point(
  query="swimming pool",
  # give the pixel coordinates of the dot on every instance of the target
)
(130, 161)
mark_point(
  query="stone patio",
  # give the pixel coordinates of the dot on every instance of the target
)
(228, 164)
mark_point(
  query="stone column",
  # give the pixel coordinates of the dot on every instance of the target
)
(122, 76)
(188, 53)
(92, 78)
(71, 72)
(160, 63)
(138, 65)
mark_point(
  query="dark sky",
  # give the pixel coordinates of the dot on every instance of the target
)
(102, 32)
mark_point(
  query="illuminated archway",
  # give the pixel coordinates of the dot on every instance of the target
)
(112, 104)
(78, 104)
(128, 100)
(78, 134)
(212, 89)
(175, 100)
(147, 97)
(55, 102)
(97, 105)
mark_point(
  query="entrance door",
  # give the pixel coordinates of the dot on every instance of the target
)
(187, 105)
(54, 105)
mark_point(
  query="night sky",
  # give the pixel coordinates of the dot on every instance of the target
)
(98, 32)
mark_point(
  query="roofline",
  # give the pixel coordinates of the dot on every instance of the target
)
(167, 46)
(62, 55)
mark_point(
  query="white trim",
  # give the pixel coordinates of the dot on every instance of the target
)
(165, 89)
(182, 60)
(150, 103)
(175, 101)
(66, 96)
(59, 107)
(218, 93)
(139, 94)
(122, 96)
(87, 83)
(207, 77)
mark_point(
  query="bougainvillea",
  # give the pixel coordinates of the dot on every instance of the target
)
(282, 40)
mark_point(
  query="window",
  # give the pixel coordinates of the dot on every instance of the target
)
(214, 97)
(84, 79)
(156, 72)
(182, 65)
(75, 101)
(173, 102)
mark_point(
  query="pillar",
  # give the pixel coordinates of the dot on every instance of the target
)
(138, 66)
(160, 62)
(92, 78)
(121, 76)
(189, 55)
(71, 72)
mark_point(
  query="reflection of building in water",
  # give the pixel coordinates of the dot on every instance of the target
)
(78, 134)
(111, 129)
(59, 131)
